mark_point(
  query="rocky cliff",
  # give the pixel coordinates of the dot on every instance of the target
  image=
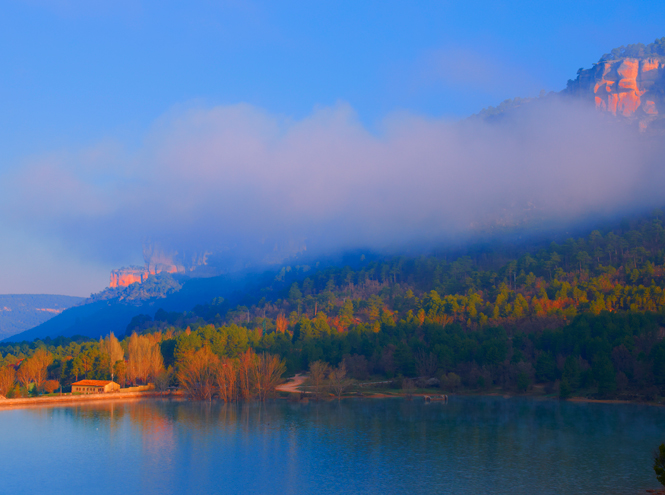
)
(628, 82)
(127, 276)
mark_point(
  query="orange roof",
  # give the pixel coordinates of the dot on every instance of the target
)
(93, 383)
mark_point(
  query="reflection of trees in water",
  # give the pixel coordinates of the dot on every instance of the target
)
(515, 437)
(94, 414)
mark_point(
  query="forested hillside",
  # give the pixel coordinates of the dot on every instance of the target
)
(585, 316)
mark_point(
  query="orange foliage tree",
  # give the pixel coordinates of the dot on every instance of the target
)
(268, 371)
(203, 375)
(198, 374)
(281, 323)
(50, 386)
(246, 365)
(227, 380)
(34, 369)
(7, 379)
(144, 357)
(112, 349)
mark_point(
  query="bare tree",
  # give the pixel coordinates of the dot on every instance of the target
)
(42, 359)
(144, 358)
(7, 379)
(227, 380)
(268, 371)
(337, 381)
(137, 358)
(246, 365)
(408, 386)
(25, 373)
(198, 375)
(162, 380)
(426, 364)
(34, 369)
(318, 371)
(111, 348)
(155, 360)
(87, 360)
(120, 372)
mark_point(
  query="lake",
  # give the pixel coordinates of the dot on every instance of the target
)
(472, 445)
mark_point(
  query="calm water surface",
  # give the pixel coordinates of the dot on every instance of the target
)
(472, 445)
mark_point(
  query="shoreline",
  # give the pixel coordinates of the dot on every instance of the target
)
(292, 384)
(66, 400)
(290, 387)
(570, 399)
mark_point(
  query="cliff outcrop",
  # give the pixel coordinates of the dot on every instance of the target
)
(628, 82)
(127, 276)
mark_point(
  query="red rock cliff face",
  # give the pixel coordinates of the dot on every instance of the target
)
(627, 87)
(127, 276)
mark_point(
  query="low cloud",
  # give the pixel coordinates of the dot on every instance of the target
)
(240, 180)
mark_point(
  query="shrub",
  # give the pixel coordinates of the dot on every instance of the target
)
(523, 381)
(50, 386)
(659, 463)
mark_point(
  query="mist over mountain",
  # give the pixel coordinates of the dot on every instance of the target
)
(237, 187)
(229, 189)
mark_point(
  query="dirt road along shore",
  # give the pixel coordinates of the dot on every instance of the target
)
(292, 385)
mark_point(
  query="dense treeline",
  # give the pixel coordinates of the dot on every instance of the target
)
(139, 359)
(637, 50)
(582, 316)
(136, 360)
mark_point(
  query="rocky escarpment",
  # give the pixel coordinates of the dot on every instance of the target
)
(127, 276)
(629, 82)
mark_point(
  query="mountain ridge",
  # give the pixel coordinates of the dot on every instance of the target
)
(20, 312)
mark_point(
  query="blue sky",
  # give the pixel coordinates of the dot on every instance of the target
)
(76, 73)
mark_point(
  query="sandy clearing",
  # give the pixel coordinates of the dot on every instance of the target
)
(292, 385)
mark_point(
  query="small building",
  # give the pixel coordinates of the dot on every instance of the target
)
(94, 387)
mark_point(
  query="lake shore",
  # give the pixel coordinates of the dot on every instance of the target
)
(21, 403)
(294, 384)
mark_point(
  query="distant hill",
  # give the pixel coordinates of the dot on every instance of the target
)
(20, 312)
(113, 309)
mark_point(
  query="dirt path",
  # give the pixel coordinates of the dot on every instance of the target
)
(292, 385)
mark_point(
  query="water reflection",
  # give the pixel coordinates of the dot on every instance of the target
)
(470, 445)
